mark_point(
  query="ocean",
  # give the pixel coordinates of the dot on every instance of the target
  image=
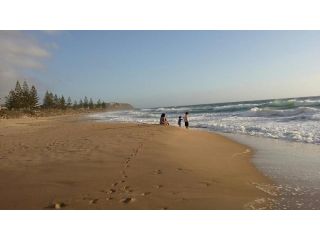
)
(292, 119)
(284, 133)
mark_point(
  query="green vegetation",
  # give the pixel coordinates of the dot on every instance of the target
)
(23, 100)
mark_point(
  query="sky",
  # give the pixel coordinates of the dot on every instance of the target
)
(163, 68)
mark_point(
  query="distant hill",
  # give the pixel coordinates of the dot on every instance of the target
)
(118, 106)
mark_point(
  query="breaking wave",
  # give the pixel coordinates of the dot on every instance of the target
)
(295, 119)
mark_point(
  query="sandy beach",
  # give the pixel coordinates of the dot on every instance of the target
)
(73, 163)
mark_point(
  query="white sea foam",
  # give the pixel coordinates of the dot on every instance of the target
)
(268, 112)
(292, 119)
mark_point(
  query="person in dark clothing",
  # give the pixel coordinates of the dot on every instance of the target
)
(186, 120)
(179, 121)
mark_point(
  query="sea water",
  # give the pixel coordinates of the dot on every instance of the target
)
(294, 168)
(294, 119)
(285, 134)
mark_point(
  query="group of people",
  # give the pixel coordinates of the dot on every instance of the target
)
(164, 121)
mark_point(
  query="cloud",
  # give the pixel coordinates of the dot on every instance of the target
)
(19, 51)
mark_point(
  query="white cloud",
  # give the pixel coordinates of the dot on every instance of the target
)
(19, 51)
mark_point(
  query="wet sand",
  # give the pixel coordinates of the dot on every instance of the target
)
(294, 168)
(71, 163)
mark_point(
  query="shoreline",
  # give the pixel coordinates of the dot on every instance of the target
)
(124, 166)
(293, 167)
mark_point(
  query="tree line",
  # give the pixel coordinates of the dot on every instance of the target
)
(27, 99)
(22, 97)
(53, 101)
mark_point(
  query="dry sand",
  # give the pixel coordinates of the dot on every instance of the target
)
(71, 163)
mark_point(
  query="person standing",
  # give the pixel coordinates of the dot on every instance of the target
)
(179, 121)
(186, 120)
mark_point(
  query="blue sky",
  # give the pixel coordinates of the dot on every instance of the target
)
(165, 68)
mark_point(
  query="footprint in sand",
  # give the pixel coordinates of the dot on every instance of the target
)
(127, 189)
(145, 193)
(111, 191)
(57, 205)
(93, 201)
(207, 184)
(114, 184)
(183, 170)
(157, 172)
(127, 200)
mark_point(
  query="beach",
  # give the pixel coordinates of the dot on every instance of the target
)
(293, 167)
(70, 162)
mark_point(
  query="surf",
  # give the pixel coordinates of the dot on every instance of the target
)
(292, 119)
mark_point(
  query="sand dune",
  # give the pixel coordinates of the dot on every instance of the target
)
(71, 163)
